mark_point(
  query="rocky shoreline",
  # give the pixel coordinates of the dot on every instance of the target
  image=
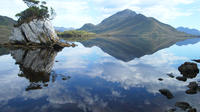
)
(57, 45)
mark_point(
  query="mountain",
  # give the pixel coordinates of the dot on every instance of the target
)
(6, 25)
(189, 31)
(62, 29)
(127, 22)
(6, 21)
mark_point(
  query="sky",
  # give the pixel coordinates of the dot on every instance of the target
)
(75, 13)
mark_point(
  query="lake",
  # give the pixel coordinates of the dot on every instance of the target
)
(95, 77)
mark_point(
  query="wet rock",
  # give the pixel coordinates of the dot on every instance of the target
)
(193, 85)
(160, 79)
(192, 110)
(46, 85)
(166, 93)
(191, 91)
(171, 110)
(189, 70)
(193, 88)
(57, 47)
(73, 45)
(33, 86)
(36, 31)
(171, 75)
(198, 61)
(183, 105)
(181, 78)
(66, 78)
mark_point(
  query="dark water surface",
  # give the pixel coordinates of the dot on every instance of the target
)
(90, 79)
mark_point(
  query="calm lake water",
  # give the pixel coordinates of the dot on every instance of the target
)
(90, 79)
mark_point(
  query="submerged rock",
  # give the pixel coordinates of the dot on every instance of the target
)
(181, 78)
(166, 93)
(36, 32)
(193, 88)
(191, 91)
(192, 110)
(171, 110)
(189, 70)
(183, 105)
(170, 75)
(193, 85)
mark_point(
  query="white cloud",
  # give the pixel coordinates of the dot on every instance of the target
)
(75, 13)
(11, 7)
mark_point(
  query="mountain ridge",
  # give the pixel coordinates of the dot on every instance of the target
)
(6, 25)
(62, 29)
(128, 22)
(191, 31)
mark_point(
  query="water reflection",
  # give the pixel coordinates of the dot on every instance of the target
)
(34, 61)
(36, 66)
(129, 48)
(98, 82)
(188, 41)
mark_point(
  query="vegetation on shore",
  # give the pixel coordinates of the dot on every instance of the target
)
(75, 33)
(35, 10)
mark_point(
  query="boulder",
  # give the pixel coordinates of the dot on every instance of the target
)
(180, 78)
(193, 85)
(191, 91)
(183, 105)
(189, 70)
(193, 88)
(166, 93)
(170, 75)
(192, 110)
(35, 32)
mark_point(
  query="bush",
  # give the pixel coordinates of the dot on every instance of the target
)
(35, 10)
(75, 33)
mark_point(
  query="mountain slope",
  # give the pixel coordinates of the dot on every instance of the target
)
(6, 25)
(127, 22)
(6, 21)
(62, 29)
(189, 31)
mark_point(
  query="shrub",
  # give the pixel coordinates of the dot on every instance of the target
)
(35, 10)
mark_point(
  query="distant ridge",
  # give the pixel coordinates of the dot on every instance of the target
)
(189, 31)
(128, 22)
(6, 21)
(6, 25)
(62, 29)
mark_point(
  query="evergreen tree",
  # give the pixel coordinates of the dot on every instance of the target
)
(35, 10)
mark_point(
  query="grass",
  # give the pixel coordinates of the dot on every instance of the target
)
(75, 33)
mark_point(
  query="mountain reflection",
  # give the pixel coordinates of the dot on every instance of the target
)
(100, 83)
(36, 66)
(128, 48)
